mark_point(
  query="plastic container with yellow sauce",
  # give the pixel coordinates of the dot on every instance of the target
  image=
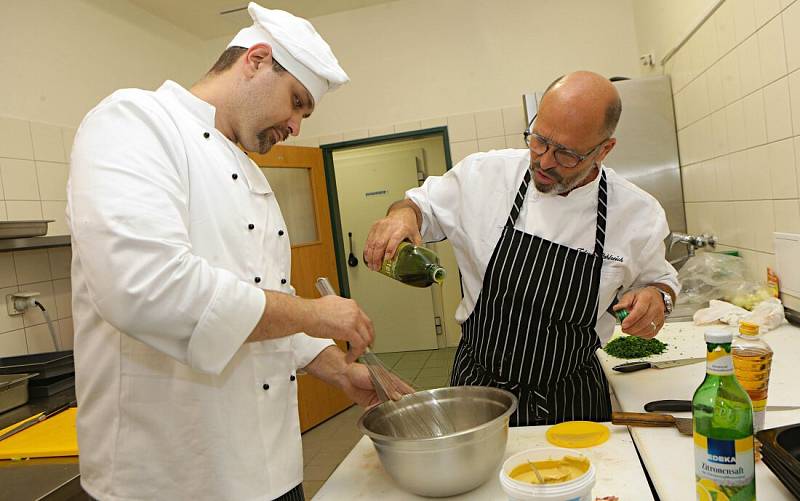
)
(577, 489)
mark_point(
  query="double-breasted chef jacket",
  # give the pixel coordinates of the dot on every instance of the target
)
(175, 232)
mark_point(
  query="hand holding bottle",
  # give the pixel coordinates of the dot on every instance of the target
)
(401, 223)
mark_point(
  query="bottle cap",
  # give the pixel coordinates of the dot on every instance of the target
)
(748, 329)
(718, 335)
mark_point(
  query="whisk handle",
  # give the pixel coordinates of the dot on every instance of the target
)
(324, 287)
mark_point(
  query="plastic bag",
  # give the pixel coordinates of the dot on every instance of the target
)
(747, 295)
(719, 311)
(708, 276)
(768, 314)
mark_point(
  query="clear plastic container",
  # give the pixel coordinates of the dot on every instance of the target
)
(752, 362)
(579, 489)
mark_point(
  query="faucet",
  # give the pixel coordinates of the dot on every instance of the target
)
(692, 242)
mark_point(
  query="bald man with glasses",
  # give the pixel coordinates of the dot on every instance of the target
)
(549, 242)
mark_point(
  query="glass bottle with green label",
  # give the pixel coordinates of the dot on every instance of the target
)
(723, 428)
(414, 265)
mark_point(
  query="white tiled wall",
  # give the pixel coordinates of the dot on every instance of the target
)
(33, 179)
(33, 171)
(737, 104)
(45, 271)
(468, 133)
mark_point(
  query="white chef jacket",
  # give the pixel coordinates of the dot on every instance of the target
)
(470, 204)
(172, 403)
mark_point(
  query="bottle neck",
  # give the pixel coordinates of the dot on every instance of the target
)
(436, 273)
(719, 361)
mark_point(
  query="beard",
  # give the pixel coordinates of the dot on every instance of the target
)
(267, 138)
(563, 184)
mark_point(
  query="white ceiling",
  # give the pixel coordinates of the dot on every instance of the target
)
(202, 17)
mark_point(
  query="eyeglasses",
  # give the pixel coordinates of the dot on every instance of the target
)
(565, 157)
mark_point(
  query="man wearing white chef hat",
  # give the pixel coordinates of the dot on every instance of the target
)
(188, 335)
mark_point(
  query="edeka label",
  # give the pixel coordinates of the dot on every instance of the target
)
(719, 362)
(725, 469)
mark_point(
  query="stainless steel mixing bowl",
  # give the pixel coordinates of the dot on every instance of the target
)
(450, 464)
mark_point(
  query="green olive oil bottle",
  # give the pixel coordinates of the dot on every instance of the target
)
(414, 265)
(722, 415)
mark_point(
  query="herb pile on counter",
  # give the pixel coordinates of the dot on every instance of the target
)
(634, 347)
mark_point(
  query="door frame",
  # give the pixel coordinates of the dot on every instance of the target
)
(333, 194)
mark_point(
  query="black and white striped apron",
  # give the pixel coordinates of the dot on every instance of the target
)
(532, 331)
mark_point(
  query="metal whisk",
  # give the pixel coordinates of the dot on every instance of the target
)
(421, 416)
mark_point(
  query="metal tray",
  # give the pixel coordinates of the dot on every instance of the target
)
(50, 386)
(49, 364)
(13, 390)
(23, 229)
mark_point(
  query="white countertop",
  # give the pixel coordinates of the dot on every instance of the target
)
(668, 455)
(619, 473)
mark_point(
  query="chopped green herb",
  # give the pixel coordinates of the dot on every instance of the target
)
(634, 347)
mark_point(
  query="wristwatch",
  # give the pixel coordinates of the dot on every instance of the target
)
(668, 306)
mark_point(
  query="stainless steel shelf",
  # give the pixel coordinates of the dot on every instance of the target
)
(12, 244)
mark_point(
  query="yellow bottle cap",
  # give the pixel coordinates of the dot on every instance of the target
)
(748, 328)
(577, 434)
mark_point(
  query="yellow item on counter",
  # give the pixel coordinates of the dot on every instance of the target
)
(577, 434)
(552, 471)
(53, 437)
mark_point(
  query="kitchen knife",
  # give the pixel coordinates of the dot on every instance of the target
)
(666, 364)
(684, 425)
(38, 418)
(686, 406)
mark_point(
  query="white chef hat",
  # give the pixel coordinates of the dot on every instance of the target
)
(296, 45)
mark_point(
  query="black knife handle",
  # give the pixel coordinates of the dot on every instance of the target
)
(668, 406)
(632, 366)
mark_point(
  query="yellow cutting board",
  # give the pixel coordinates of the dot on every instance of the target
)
(53, 437)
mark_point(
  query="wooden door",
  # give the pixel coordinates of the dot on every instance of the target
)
(297, 177)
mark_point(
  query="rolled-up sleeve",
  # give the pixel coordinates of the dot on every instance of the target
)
(128, 212)
(655, 269)
(439, 201)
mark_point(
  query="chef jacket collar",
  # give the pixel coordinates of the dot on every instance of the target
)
(204, 113)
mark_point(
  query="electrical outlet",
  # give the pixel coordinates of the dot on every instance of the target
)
(19, 299)
(647, 59)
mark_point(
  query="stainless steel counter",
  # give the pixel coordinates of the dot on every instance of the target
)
(46, 478)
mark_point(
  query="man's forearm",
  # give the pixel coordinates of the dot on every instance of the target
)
(407, 204)
(329, 366)
(283, 316)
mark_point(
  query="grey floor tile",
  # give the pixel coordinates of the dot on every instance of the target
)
(417, 355)
(427, 384)
(318, 472)
(339, 446)
(327, 459)
(390, 359)
(310, 487)
(408, 364)
(437, 362)
(432, 372)
(407, 374)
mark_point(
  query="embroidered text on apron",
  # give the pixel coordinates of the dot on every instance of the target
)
(532, 330)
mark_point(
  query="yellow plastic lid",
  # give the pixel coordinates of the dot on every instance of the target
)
(748, 328)
(577, 434)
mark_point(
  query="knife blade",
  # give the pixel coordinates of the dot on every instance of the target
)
(35, 419)
(666, 364)
(686, 406)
